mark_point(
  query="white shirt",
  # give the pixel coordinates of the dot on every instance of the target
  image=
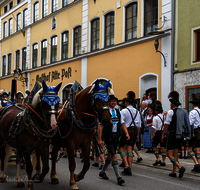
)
(114, 129)
(157, 123)
(148, 101)
(143, 110)
(127, 119)
(170, 113)
(194, 118)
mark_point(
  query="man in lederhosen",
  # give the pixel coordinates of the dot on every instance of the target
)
(131, 120)
(157, 127)
(194, 117)
(177, 123)
(111, 135)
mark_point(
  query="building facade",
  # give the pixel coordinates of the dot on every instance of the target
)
(68, 40)
(187, 51)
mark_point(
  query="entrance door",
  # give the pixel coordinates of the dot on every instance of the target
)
(153, 93)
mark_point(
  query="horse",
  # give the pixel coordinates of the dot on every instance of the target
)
(76, 128)
(31, 129)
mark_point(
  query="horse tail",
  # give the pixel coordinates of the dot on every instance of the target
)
(8, 151)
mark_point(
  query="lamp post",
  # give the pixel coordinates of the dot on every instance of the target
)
(156, 45)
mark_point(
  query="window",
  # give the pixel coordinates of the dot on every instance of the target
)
(45, 8)
(65, 2)
(131, 21)
(11, 5)
(53, 23)
(4, 29)
(10, 26)
(197, 45)
(20, 98)
(53, 49)
(4, 66)
(36, 12)
(95, 34)
(35, 55)
(18, 1)
(150, 16)
(188, 91)
(44, 52)
(17, 59)
(109, 29)
(18, 22)
(77, 41)
(25, 16)
(65, 41)
(66, 92)
(5, 9)
(54, 5)
(9, 63)
(24, 59)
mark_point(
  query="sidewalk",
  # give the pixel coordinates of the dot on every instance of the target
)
(149, 159)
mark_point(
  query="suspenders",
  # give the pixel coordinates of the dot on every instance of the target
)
(133, 119)
(162, 120)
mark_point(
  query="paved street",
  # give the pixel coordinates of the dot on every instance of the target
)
(144, 177)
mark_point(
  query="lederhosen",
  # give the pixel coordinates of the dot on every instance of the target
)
(132, 131)
(111, 139)
(173, 142)
(158, 135)
(195, 139)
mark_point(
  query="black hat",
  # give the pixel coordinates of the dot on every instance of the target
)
(194, 98)
(122, 105)
(113, 97)
(174, 97)
(5, 93)
(159, 108)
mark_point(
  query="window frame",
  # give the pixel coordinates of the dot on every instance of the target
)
(5, 29)
(24, 64)
(56, 1)
(51, 54)
(33, 56)
(9, 64)
(5, 7)
(44, 10)
(34, 11)
(98, 30)
(3, 65)
(63, 45)
(63, 5)
(105, 30)
(42, 51)
(17, 61)
(18, 26)
(80, 36)
(25, 20)
(9, 27)
(132, 17)
(18, 2)
(11, 3)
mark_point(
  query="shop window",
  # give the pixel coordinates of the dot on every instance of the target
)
(25, 18)
(9, 63)
(53, 49)
(44, 52)
(65, 41)
(11, 5)
(4, 65)
(10, 22)
(65, 2)
(24, 59)
(36, 12)
(150, 16)
(54, 5)
(18, 22)
(77, 41)
(188, 91)
(65, 93)
(17, 61)
(131, 21)
(4, 29)
(45, 8)
(20, 98)
(95, 30)
(109, 29)
(5, 9)
(35, 55)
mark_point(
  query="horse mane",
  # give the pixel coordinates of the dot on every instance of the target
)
(35, 100)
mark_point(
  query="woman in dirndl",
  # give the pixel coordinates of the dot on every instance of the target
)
(147, 132)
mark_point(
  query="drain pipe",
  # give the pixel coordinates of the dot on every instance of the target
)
(172, 44)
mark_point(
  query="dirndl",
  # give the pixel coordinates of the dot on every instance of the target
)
(147, 139)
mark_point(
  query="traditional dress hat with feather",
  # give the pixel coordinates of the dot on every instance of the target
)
(111, 94)
(130, 97)
(158, 105)
(174, 97)
(194, 98)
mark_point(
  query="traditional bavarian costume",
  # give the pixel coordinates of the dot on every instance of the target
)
(147, 132)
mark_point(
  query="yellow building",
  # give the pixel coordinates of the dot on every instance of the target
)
(68, 40)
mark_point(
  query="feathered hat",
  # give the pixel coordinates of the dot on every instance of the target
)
(194, 98)
(130, 97)
(111, 94)
(174, 97)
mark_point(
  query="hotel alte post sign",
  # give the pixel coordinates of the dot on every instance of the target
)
(54, 75)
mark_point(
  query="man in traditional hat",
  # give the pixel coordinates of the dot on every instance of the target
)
(4, 97)
(194, 117)
(111, 134)
(177, 123)
(131, 120)
(157, 127)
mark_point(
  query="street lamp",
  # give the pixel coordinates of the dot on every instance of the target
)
(156, 45)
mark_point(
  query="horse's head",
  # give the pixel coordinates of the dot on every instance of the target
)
(100, 97)
(46, 102)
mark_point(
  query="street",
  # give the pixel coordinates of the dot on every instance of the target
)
(144, 177)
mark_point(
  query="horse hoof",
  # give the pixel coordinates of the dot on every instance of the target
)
(36, 178)
(20, 184)
(74, 187)
(54, 181)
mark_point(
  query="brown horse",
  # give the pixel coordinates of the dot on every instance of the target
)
(27, 131)
(76, 128)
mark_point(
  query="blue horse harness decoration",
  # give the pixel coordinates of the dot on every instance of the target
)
(7, 103)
